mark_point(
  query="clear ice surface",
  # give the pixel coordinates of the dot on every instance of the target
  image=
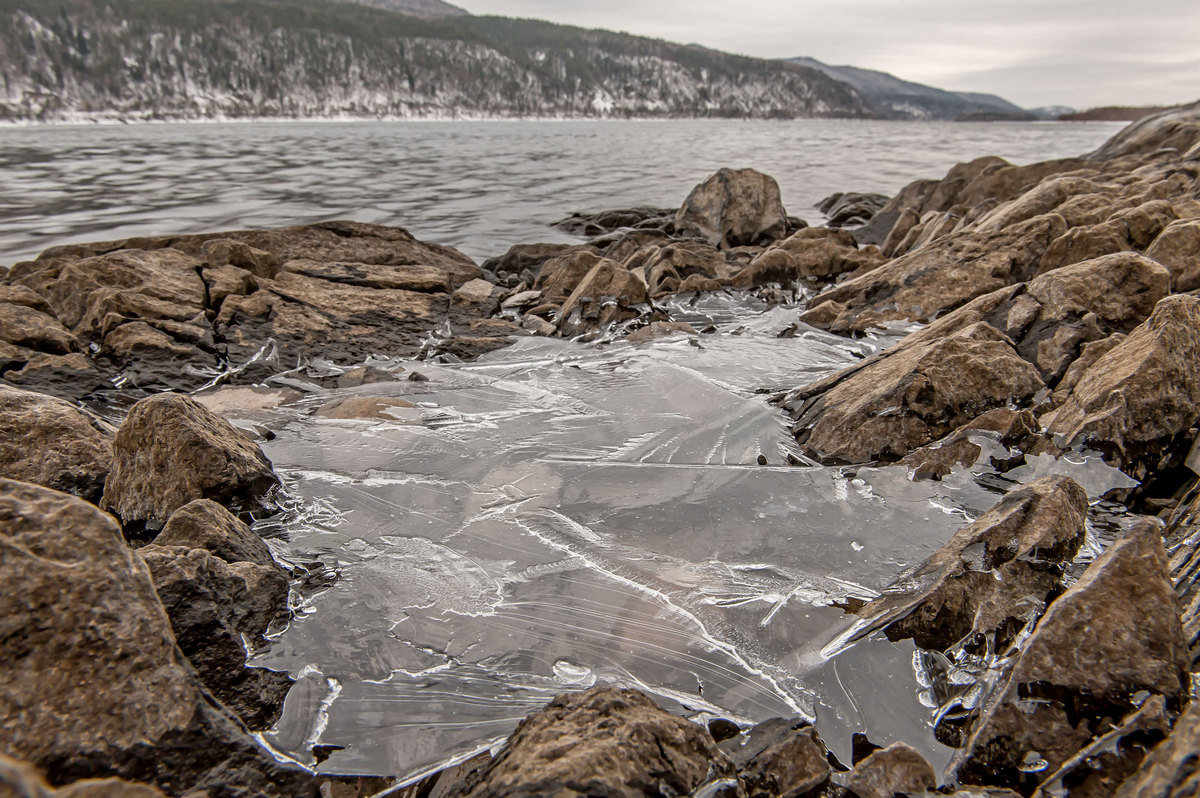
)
(565, 513)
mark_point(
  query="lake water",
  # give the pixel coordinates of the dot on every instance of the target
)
(479, 186)
(558, 512)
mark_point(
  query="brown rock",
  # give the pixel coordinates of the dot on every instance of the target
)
(1177, 128)
(527, 256)
(994, 575)
(404, 276)
(1170, 771)
(559, 276)
(204, 524)
(217, 609)
(605, 741)
(813, 253)
(21, 295)
(22, 780)
(734, 208)
(477, 297)
(1137, 400)
(171, 450)
(93, 684)
(1008, 427)
(70, 376)
(50, 442)
(149, 358)
(1178, 248)
(606, 278)
(382, 408)
(224, 253)
(226, 281)
(780, 757)
(1114, 633)
(895, 770)
(33, 329)
(889, 406)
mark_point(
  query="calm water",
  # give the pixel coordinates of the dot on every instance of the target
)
(480, 186)
(556, 513)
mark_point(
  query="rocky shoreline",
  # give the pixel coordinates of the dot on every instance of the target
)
(1055, 307)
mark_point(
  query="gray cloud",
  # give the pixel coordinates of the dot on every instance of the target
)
(1033, 52)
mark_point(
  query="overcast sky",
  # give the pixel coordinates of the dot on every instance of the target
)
(1081, 53)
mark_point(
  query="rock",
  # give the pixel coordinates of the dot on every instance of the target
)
(226, 281)
(734, 208)
(382, 408)
(605, 741)
(94, 686)
(204, 524)
(478, 297)
(590, 225)
(851, 208)
(149, 358)
(171, 450)
(1139, 400)
(888, 406)
(943, 276)
(813, 253)
(403, 276)
(21, 780)
(994, 576)
(1170, 771)
(27, 297)
(606, 278)
(665, 268)
(232, 399)
(1178, 248)
(1007, 427)
(723, 729)
(559, 276)
(218, 609)
(223, 253)
(1089, 353)
(522, 299)
(50, 442)
(363, 375)
(1114, 633)
(70, 376)
(1104, 764)
(1177, 128)
(660, 329)
(33, 329)
(895, 770)
(780, 757)
(527, 256)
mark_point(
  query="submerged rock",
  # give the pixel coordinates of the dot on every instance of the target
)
(1112, 635)
(171, 450)
(994, 576)
(51, 442)
(916, 394)
(605, 741)
(734, 207)
(94, 685)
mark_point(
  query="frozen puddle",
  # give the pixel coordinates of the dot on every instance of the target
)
(566, 513)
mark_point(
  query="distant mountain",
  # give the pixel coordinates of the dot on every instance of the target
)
(213, 59)
(417, 8)
(1051, 111)
(1113, 113)
(894, 98)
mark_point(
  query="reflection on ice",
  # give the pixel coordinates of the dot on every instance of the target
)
(567, 513)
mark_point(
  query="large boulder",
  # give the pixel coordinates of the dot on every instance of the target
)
(890, 405)
(1177, 129)
(994, 576)
(1139, 400)
(1178, 248)
(94, 685)
(605, 741)
(51, 442)
(734, 207)
(1114, 634)
(217, 611)
(171, 450)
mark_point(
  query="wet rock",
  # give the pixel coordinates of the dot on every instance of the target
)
(1103, 765)
(584, 273)
(1170, 771)
(70, 376)
(217, 610)
(943, 276)
(590, 225)
(606, 278)
(888, 406)
(526, 256)
(1138, 400)
(895, 770)
(723, 729)
(149, 358)
(1178, 248)
(660, 329)
(1183, 542)
(666, 268)
(382, 408)
(22, 780)
(94, 686)
(1008, 427)
(994, 576)
(781, 757)
(204, 524)
(33, 329)
(734, 208)
(814, 253)
(605, 741)
(477, 297)
(851, 208)
(171, 450)
(50, 442)
(1113, 634)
